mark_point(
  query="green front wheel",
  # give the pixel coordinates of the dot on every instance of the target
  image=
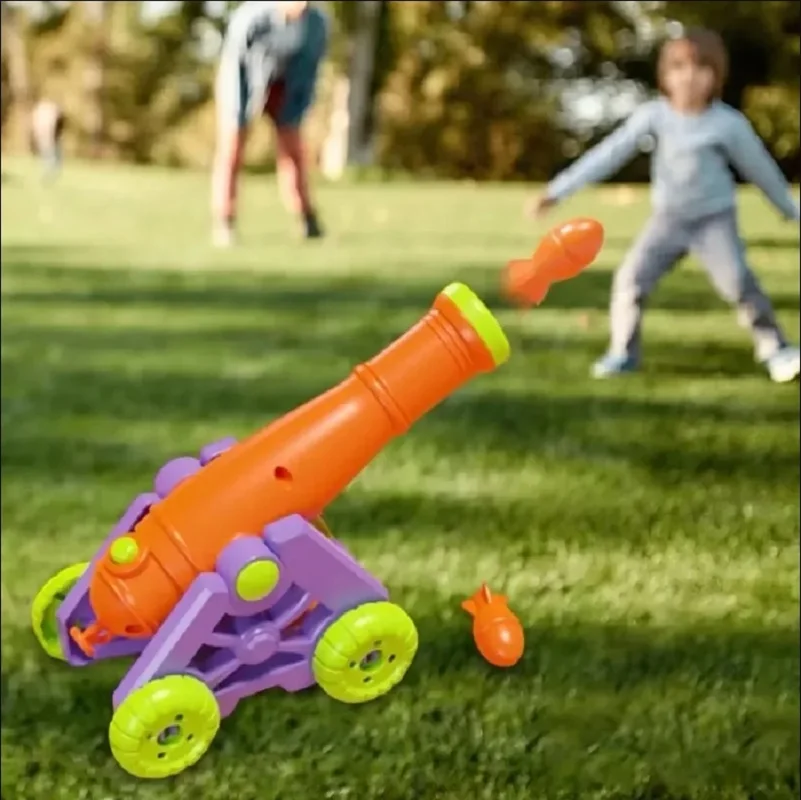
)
(164, 727)
(365, 653)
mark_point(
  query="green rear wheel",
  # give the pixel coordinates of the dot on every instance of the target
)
(365, 653)
(46, 604)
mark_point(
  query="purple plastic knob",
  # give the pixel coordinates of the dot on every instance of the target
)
(211, 451)
(173, 472)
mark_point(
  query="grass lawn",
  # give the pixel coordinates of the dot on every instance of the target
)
(646, 532)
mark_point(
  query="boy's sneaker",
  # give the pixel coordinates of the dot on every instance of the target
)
(224, 234)
(311, 226)
(784, 365)
(611, 366)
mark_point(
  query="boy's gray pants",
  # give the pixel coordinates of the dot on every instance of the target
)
(716, 242)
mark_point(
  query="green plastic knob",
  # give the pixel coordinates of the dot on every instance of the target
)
(124, 550)
(257, 580)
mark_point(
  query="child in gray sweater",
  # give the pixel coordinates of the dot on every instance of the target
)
(693, 197)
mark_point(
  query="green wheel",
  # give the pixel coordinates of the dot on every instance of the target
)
(46, 604)
(365, 652)
(164, 727)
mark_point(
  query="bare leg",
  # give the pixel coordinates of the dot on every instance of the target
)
(293, 179)
(225, 175)
(231, 93)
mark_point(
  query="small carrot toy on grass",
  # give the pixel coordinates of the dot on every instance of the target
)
(496, 630)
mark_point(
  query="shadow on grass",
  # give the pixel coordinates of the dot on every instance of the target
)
(375, 310)
(499, 420)
(561, 662)
(590, 430)
(298, 293)
(590, 434)
(773, 243)
(757, 242)
(593, 431)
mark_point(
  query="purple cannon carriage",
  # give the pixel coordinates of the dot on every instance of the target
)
(287, 608)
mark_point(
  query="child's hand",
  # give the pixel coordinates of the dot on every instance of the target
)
(538, 207)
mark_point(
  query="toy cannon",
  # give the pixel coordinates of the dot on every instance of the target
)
(224, 581)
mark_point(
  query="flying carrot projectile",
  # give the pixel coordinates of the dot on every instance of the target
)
(563, 252)
(496, 630)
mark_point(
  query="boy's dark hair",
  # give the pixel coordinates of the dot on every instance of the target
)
(706, 47)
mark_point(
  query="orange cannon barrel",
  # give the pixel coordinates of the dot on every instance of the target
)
(296, 465)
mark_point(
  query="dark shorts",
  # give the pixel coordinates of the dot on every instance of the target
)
(233, 96)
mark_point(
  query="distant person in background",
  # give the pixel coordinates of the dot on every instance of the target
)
(269, 64)
(696, 137)
(47, 129)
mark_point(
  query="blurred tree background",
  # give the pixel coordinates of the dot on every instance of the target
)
(481, 90)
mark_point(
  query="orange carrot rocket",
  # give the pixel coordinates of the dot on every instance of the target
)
(564, 252)
(496, 630)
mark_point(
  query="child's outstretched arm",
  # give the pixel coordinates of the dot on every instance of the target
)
(607, 157)
(752, 160)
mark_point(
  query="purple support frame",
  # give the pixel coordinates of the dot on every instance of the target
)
(76, 610)
(236, 648)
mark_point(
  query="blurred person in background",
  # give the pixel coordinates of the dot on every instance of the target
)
(697, 138)
(269, 65)
(47, 129)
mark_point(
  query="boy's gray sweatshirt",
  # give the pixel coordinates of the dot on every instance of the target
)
(690, 165)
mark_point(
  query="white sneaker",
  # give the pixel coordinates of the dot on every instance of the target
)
(784, 365)
(224, 235)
